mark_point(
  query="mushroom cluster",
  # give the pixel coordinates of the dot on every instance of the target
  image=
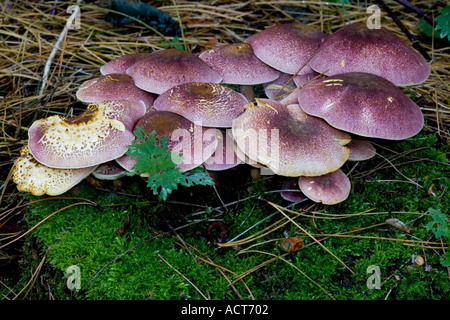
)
(325, 97)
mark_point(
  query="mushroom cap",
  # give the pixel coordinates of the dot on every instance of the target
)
(207, 104)
(195, 143)
(99, 134)
(287, 47)
(288, 141)
(34, 177)
(114, 86)
(356, 48)
(360, 150)
(331, 188)
(121, 64)
(224, 157)
(109, 171)
(363, 104)
(280, 87)
(300, 82)
(291, 191)
(238, 64)
(164, 69)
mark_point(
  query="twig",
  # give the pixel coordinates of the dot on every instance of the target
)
(206, 298)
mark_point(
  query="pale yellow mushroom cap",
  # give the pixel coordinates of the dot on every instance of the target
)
(32, 176)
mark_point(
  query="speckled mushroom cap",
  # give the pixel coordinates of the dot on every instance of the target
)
(363, 104)
(194, 142)
(32, 176)
(164, 69)
(207, 104)
(288, 141)
(224, 157)
(114, 86)
(238, 64)
(287, 47)
(356, 48)
(121, 64)
(360, 150)
(331, 188)
(98, 135)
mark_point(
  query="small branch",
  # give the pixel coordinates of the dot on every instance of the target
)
(408, 5)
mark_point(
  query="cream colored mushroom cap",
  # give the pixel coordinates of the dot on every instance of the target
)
(32, 176)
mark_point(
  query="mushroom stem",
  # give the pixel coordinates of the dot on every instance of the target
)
(248, 92)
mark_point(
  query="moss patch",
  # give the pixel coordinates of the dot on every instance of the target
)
(152, 261)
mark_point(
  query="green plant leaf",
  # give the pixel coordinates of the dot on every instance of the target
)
(154, 159)
(443, 22)
(440, 227)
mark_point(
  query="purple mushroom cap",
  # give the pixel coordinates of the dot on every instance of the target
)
(362, 104)
(288, 141)
(207, 104)
(237, 64)
(121, 64)
(287, 47)
(330, 188)
(356, 48)
(167, 68)
(115, 86)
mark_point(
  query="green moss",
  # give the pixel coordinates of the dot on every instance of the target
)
(132, 266)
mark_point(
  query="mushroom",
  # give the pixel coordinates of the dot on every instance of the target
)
(291, 191)
(100, 134)
(237, 64)
(115, 86)
(164, 69)
(224, 157)
(195, 143)
(363, 104)
(287, 47)
(109, 171)
(207, 104)
(121, 64)
(360, 150)
(331, 188)
(356, 48)
(32, 176)
(280, 87)
(300, 81)
(288, 141)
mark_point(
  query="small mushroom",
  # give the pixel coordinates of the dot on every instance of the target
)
(360, 150)
(164, 69)
(32, 176)
(287, 47)
(99, 134)
(224, 157)
(121, 64)
(291, 191)
(331, 188)
(288, 141)
(280, 87)
(363, 104)
(237, 64)
(356, 48)
(115, 86)
(195, 143)
(109, 171)
(207, 104)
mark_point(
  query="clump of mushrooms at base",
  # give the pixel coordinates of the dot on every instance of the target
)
(326, 97)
